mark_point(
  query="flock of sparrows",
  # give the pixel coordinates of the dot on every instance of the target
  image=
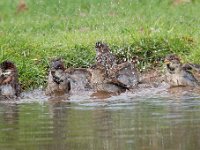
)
(105, 75)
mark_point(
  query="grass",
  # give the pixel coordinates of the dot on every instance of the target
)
(69, 29)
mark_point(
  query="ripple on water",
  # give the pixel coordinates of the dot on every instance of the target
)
(138, 118)
(157, 95)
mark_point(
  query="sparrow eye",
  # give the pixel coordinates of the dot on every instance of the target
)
(60, 67)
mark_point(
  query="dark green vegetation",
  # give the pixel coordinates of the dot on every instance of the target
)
(69, 29)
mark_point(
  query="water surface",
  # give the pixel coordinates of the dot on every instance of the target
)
(146, 120)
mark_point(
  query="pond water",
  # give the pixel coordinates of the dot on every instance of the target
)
(147, 120)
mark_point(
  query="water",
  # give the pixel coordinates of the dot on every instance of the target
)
(143, 120)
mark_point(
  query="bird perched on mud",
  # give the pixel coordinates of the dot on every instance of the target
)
(177, 74)
(126, 73)
(58, 83)
(9, 84)
(101, 81)
(107, 75)
(103, 56)
(79, 79)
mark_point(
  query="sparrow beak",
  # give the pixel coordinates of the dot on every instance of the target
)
(166, 61)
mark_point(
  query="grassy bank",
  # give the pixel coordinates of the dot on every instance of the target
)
(69, 29)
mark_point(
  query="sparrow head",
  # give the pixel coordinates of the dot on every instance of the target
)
(7, 65)
(101, 47)
(172, 62)
(8, 72)
(57, 64)
(172, 58)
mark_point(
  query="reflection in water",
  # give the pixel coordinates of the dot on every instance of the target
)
(8, 122)
(10, 113)
(131, 123)
(58, 112)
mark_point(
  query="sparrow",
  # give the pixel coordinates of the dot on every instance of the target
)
(177, 74)
(125, 73)
(58, 82)
(104, 57)
(101, 82)
(9, 83)
(79, 79)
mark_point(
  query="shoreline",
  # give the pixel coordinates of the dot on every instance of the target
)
(33, 37)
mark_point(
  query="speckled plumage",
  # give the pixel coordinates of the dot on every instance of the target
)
(177, 74)
(100, 81)
(79, 79)
(9, 84)
(103, 56)
(125, 73)
(58, 83)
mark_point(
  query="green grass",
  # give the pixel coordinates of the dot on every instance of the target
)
(69, 29)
